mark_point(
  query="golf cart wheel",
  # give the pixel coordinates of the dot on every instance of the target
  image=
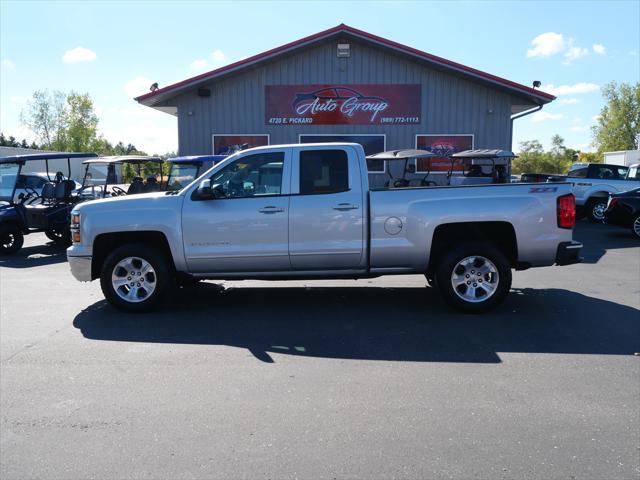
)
(474, 277)
(595, 209)
(11, 240)
(635, 226)
(63, 238)
(134, 278)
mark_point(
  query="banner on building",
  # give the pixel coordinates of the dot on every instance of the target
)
(367, 104)
(229, 144)
(444, 146)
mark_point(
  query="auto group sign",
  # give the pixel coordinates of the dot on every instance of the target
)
(342, 104)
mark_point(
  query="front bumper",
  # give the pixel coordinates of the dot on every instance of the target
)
(569, 253)
(80, 268)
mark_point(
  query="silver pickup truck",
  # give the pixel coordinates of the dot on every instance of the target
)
(307, 212)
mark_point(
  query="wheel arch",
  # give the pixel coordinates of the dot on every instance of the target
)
(499, 233)
(105, 243)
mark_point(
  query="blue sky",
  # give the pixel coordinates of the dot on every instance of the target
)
(114, 50)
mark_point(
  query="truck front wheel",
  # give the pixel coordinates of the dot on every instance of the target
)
(474, 277)
(134, 278)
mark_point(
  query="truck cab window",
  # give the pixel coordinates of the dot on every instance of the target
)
(251, 176)
(323, 171)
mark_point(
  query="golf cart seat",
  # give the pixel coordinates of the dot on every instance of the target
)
(63, 189)
(152, 185)
(48, 192)
(137, 186)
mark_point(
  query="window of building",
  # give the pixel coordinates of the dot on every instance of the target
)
(323, 171)
(371, 143)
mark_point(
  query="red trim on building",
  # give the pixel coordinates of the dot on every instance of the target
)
(342, 28)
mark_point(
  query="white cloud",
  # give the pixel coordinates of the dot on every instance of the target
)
(198, 65)
(599, 49)
(568, 101)
(583, 147)
(137, 86)
(576, 88)
(79, 54)
(574, 53)
(578, 128)
(18, 100)
(546, 44)
(543, 116)
(595, 118)
(577, 119)
(8, 64)
(218, 56)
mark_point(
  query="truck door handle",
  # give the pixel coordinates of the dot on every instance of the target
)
(345, 206)
(271, 209)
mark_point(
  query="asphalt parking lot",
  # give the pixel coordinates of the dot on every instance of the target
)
(325, 379)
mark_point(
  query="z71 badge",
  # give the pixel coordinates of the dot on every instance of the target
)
(543, 189)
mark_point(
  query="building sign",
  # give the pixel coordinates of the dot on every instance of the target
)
(229, 144)
(371, 104)
(371, 143)
(445, 146)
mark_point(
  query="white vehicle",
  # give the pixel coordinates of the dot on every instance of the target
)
(306, 211)
(593, 183)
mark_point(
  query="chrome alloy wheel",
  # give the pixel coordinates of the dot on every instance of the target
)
(475, 279)
(636, 226)
(133, 279)
(598, 210)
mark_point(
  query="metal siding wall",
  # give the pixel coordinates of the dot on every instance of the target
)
(450, 103)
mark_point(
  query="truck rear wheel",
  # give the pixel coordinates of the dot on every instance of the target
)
(134, 278)
(11, 239)
(474, 277)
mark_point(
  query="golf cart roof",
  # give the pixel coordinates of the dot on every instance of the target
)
(484, 153)
(197, 159)
(44, 156)
(401, 154)
(123, 159)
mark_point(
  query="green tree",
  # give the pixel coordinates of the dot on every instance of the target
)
(529, 158)
(44, 116)
(619, 120)
(532, 157)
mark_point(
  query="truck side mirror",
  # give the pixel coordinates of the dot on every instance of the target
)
(205, 192)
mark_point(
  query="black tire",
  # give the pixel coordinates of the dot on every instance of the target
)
(635, 226)
(61, 238)
(161, 277)
(501, 282)
(595, 208)
(11, 239)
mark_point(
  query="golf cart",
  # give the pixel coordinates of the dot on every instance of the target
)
(184, 170)
(107, 176)
(404, 156)
(45, 210)
(481, 167)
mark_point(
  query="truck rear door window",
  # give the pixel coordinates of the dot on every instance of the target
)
(323, 171)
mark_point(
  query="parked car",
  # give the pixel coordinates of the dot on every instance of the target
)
(623, 210)
(44, 208)
(307, 212)
(592, 185)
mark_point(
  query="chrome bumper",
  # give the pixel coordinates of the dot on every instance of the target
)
(80, 268)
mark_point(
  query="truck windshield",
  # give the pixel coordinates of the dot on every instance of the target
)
(634, 173)
(180, 175)
(8, 175)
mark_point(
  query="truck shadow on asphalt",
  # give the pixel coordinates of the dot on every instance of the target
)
(373, 323)
(599, 238)
(35, 256)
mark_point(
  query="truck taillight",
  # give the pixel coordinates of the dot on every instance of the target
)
(567, 211)
(612, 202)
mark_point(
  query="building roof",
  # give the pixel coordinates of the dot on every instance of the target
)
(536, 96)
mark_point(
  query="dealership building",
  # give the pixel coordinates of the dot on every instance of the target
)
(344, 84)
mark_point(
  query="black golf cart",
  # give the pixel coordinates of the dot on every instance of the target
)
(121, 175)
(480, 167)
(33, 211)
